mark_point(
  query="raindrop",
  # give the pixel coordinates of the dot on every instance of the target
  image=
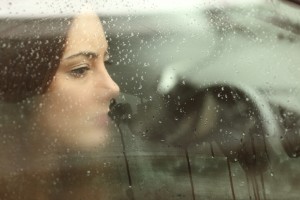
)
(230, 178)
(212, 150)
(281, 137)
(88, 173)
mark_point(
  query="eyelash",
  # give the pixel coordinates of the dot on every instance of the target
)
(80, 71)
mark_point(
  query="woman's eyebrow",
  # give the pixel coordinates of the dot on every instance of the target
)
(87, 54)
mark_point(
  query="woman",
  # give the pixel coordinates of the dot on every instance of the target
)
(55, 93)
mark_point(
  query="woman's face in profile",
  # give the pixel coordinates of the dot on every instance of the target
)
(75, 108)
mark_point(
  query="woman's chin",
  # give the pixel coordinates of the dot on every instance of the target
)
(85, 139)
(92, 139)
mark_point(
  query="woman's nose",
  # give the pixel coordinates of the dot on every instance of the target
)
(110, 86)
(114, 88)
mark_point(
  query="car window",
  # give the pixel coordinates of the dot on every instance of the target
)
(149, 100)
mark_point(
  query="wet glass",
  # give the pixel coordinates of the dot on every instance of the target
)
(208, 107)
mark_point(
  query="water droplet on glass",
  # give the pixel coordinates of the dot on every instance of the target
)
(88, 173)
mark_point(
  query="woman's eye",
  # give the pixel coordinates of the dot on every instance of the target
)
(79, 71)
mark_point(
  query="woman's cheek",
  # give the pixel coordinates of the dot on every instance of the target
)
(65, 115)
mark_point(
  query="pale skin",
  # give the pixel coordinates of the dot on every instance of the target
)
(74, 111)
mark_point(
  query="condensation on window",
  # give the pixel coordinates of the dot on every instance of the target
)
(150, 100)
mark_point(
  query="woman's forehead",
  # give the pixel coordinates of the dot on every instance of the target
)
(85, 34)
(86, 22)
